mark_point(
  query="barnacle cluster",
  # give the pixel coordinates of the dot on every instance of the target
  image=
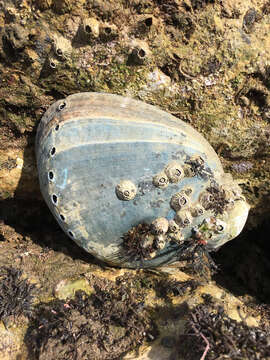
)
(172, 173)
(207, 228)
(198, 218)
(143, 241)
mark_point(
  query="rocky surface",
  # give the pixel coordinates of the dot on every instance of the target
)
(206, 62)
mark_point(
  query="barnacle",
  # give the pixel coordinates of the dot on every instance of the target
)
(176, 237)
(147, 240)
(195, 166)
(160, 226)
(179, 201)
(139, 53)
(108, 31)
(90, 27)
(197, 210)
(187, 190)
(138, 243)
(160, 242)
(206, 200)
(174, 171)
(125, 190)
(183, 218)
(217, 199)
(220, 226)
(173, 226)
(61, 46)
(161, 180)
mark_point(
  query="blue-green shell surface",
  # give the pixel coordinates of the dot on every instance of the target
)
(108, 163)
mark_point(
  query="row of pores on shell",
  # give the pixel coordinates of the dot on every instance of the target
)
(161, 228)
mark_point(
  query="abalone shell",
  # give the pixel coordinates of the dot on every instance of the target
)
(110, 166)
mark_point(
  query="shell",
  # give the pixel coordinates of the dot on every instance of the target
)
(160, 226)
(91, 146)
(179, 201)
(125, 190)
(161, 180)
(174, 171)
(183, 218)
(90, 28)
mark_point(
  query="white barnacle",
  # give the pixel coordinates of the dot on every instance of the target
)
(61, 47)
(108, 31)
(179, 201)
(52, 63)
(220, 226)
(160, 226)
(188, 170)
(176, 236)
(197, 160)
(174, 171)
(90, 27)
(197, 210)
(161, 180)
(147, 240)
(206, 200)
(173, 226)
(160, 242)
(139, 52)
(183, 218)
(125, 190)
(188, 190)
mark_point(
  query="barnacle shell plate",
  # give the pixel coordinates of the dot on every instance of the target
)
(90, 142)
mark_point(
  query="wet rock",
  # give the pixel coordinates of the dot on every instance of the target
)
(15, 39)
(67, 288)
